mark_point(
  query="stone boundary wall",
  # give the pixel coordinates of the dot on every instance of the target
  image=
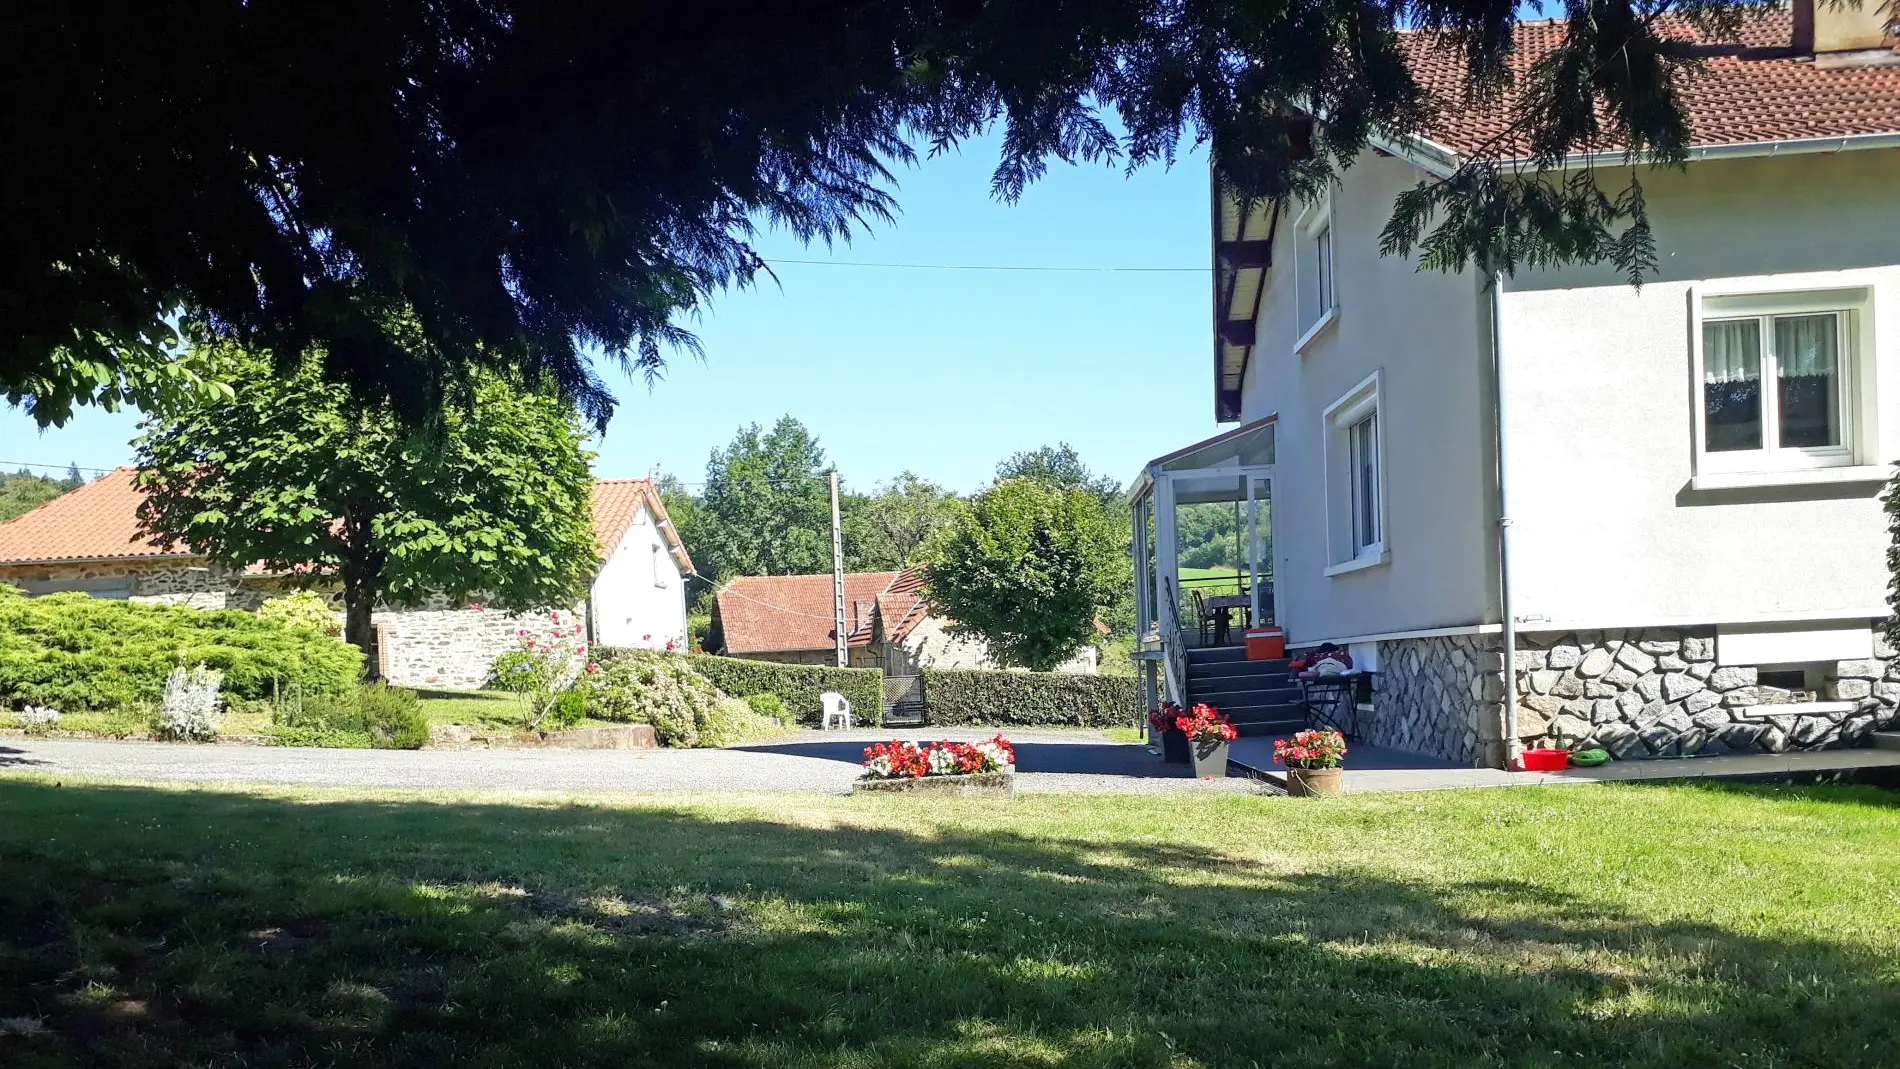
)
(1440, 696)
(1659, 693)
(166, 581)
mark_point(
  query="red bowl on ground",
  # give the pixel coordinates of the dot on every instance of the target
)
(1544, 760)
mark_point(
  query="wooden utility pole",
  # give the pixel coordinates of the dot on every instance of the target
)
(837, 576)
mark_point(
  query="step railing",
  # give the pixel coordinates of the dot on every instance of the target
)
(1173, 657)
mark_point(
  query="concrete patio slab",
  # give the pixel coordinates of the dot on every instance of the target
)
(1375, 768)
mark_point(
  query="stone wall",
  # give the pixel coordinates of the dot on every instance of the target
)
(447, 648)
(170, 581)
(1440, 696)
(1659, 693)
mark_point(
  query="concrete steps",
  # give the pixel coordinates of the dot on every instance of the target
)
(1260, 697)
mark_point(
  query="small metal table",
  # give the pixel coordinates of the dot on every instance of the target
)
(1225, 604)
(1329, 702)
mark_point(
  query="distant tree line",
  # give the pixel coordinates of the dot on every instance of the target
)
(23, 491)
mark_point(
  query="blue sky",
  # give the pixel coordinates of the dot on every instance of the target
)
(941, 372)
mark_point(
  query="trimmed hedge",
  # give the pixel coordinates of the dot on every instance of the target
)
(797, 685)
(76, 653)
(974, 697)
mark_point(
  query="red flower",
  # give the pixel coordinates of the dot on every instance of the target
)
(593, 668)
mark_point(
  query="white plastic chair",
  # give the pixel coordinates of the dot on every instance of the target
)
(836, 707)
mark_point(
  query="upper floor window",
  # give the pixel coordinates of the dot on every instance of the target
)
(660, 568)
(1314, 278)
(1781, 380)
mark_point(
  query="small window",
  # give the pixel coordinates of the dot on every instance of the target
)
(660, 578)
(1362, 440)
(1777, 380)
(1315, 280)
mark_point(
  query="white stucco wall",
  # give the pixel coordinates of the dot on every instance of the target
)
(639, 597)
(932, 645)
(1425, 334)
(1609, 531)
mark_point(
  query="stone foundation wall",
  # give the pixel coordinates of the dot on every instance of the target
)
(1659, 693)
(1439, 696)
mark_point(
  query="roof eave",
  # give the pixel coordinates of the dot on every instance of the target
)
(1798, 146)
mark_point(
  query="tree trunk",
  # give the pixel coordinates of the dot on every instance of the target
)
(362, 581)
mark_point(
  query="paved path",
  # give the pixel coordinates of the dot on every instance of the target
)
(812, 762)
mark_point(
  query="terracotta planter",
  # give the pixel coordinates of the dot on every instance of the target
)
(1174, 747)
(1313, 782)
(1210, 759)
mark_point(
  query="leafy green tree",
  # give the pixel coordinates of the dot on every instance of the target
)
(306, 173)
(24, 491)
(1026, 567)
(766, 506)
(888, 529)
(1061, 467)
(291, 472)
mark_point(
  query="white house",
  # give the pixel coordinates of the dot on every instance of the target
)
(87, 540)
(1664, 503)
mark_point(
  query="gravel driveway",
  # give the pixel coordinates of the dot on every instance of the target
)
(811, 762)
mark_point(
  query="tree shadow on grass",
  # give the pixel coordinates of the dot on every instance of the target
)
(1074, 758)
(160, 928)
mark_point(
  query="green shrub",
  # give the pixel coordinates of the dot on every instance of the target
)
(78, 653)
(770, 706)
(797, 685)
(306, 609)
(392, 717)
(665, 690)
(569, 709)
(732, 720)
(373, 715)
(1029, 699)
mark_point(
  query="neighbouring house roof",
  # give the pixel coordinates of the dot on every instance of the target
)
(786, 613)
(99, 521)
(617, 504)
(1756, 91)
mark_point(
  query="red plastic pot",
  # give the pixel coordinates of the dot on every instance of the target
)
(1544, 760)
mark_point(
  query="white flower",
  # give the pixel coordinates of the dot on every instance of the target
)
(37, 716)
(993, 760)
(879, 768)
(942, 761)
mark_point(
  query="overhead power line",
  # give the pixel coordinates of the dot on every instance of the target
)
(51, 467)
(1078, 269)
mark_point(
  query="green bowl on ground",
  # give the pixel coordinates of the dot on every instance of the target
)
(1588, 758)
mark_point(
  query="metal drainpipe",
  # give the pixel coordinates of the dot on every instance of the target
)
(1511, 745)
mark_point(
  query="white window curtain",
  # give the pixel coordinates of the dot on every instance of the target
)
(1731, 384)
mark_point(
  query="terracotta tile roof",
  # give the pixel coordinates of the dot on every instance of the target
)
(780, 613)
(901, 606)
(99, 521)
(617, 504)
(1744, 92)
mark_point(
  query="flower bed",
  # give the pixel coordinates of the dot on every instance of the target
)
(947, 767)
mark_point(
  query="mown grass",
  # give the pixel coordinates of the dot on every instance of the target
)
(1533, 927)
(475, 708)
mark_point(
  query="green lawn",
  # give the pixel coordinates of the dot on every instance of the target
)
(476, 708)
(1230, 586)
(1539, 927)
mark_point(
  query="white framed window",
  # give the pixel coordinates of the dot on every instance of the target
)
(1314, 280)
(1783, 381)
(659, 566)
(1355, 479)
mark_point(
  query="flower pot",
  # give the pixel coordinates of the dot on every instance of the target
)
(1313, 782)
(1174, 747)
(1210, 759)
